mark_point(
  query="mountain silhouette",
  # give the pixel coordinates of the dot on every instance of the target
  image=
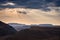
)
(6, 29)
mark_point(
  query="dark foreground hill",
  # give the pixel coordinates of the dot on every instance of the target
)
(37, 33)
(6, 29)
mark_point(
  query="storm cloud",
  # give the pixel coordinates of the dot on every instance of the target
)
(33, 4)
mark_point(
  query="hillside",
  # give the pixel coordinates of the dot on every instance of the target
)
(37, 33)
(6, 29)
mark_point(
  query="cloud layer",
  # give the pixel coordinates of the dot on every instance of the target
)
(33, 16)
(30, 11)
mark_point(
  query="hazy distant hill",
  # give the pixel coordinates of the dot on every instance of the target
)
(19, 27)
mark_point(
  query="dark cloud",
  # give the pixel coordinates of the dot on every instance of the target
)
(58, 3)
(21, 12)
(1, 1)
(36, 4)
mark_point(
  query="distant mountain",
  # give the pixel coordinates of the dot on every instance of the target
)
(46, 25)
(6, 29)
(19, 27)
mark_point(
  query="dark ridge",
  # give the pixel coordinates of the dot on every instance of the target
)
(37, 33)
(6, 29)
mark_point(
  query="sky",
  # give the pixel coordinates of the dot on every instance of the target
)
(30, 11)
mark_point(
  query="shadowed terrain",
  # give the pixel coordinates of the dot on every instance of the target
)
(37, 33)
(6, 29)
(33, 33)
